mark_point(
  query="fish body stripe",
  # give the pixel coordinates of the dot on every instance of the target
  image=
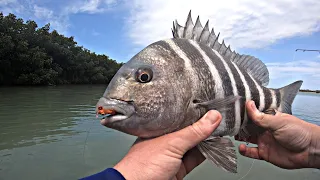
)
(228, 121)
(274, 99)
(278, 96)
(267, 98)
(216, 77)
(206, 81)
(244, 116)
(252, 87)
(232, 87)
(238, 90)
(261, 104)
(187, 61)
(218, 89)
(253, 92)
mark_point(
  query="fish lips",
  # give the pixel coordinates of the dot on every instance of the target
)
(123, 110)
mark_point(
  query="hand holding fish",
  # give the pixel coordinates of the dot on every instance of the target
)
(289, 142)
(171, 156)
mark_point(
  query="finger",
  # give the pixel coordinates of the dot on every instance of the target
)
(192, 159)
(181, 173)
(251, 152)
(266, 121)
(250, 139)
(253, 140)
(192, 135)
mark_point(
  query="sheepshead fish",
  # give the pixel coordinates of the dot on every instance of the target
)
(172, 83)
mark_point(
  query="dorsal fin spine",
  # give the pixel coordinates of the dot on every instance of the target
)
(202, 35)
(205, 33)
(233, 55)
(197, 29)
(227, 53)
(221, 46)
(216, 42)
(188, 27)
(211, 38)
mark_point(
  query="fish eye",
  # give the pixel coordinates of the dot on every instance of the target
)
(144, 75)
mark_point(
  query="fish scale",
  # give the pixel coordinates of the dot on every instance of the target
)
(185, 77)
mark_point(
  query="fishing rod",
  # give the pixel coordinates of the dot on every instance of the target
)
(303, 50)
(308, 50)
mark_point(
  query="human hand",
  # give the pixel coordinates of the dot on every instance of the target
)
(171, 156)
(288, 141)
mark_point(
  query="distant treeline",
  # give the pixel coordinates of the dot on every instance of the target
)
(35, 56)
(307, 90)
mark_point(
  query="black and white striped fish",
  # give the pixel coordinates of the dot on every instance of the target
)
(172, 83)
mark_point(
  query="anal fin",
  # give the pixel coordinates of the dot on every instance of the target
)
(220, 151)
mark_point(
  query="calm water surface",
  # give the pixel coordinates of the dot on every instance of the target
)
(52, 133)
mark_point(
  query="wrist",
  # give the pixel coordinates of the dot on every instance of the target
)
(128, 170)
(121, 168)
(314, 149)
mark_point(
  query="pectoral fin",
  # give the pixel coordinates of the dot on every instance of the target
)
(220, 151)
(217, 103)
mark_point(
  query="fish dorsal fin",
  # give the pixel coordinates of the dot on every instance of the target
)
(253, 66)
(200, 34)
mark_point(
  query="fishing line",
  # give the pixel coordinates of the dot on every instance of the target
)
(294, 55)
(248, 170)
(85, 142)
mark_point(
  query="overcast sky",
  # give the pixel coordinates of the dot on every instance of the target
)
(269, 30)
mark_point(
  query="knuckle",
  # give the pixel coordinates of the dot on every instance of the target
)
(259, 117)
(262, 116)
(197, 130)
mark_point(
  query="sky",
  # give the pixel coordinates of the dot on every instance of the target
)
(268, 30)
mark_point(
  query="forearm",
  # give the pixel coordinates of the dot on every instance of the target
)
(314, 151)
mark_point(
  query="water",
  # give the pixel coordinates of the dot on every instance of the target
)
(43, 133)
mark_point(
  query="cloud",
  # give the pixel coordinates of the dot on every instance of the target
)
(6, 2)
(29, 10)
(57, 16)
(9, 6)
(301, 67)
(243, 24)
(42, 13)
(91, 6)
(58, 22)
(95, 33)
(308, 71)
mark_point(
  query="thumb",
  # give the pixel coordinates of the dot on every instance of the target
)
(192, 135)
(267, 121)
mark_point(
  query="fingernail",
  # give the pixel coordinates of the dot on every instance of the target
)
(212, 117)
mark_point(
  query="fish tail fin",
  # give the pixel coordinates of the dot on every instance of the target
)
(220, 151)
(288, 93)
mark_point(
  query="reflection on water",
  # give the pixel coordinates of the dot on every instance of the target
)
(307, 107)
(52, 133)
(40, 115)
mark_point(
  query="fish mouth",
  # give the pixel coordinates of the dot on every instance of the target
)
(113, 110)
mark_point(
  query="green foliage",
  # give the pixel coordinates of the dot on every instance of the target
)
(35, 56)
